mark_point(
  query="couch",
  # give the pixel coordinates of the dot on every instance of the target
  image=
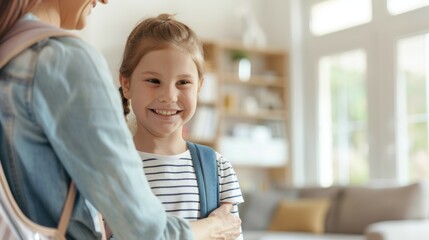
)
(337, 213)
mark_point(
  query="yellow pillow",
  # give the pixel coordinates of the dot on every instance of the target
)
(304, 215)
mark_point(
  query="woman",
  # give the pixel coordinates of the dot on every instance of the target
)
(60, 120)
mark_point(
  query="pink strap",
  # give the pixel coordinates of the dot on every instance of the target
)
(24, 34)
(67, 210)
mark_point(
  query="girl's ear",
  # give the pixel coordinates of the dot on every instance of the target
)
(125, 84)
(200, 84)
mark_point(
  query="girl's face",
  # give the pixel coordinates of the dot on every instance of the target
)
(163, 90)
(73, 13)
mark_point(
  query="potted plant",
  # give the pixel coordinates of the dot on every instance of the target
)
(242, 64)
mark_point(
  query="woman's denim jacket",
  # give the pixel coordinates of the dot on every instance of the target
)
(61, 118)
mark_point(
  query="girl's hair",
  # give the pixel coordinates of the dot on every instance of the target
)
(11, 11)
(158, 33)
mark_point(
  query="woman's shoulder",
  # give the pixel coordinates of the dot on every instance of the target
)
(55, 43)
(71, 56)
(70, 48)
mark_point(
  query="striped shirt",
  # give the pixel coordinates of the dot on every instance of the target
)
(173, 181)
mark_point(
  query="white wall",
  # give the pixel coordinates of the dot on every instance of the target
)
(275, 19)
(110, 25)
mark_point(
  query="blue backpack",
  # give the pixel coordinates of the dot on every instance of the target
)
(205, 165)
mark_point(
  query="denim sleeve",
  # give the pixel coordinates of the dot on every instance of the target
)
(80, 111)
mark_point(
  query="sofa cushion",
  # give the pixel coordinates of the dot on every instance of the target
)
(269, 235)
(258, 208)
(362, 206)
(333, 193)
(304, 215)
(398, 230)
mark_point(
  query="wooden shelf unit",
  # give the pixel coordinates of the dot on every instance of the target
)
(257, 108)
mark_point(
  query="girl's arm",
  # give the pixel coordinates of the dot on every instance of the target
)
(220, 224)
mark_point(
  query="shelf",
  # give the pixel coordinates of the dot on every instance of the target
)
(245, 116)
(261, 115)
(231, 46)
(255, 81)
(207, 103)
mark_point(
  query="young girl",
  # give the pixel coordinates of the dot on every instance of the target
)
(161, 75)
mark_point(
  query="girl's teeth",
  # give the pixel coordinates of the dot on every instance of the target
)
(165, 112)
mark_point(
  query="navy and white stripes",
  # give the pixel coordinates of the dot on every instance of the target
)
(173, 181)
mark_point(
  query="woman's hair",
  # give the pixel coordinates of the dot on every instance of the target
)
(11, 11)
(158, 33)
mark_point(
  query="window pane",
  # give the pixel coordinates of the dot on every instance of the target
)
(412, 75)
(343, 119)
(400, 6)
(334, 15)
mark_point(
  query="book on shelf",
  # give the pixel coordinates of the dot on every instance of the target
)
(203, 125)
(209, 89)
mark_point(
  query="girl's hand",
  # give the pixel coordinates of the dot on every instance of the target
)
(231, 224)
(221, 224)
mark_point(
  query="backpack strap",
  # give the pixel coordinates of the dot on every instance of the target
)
(24, 34)
(205, 165)
(67, 210)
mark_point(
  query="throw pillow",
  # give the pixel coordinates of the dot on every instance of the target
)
(304, 215)
(334, 194)
(362, 206)
(259, 207)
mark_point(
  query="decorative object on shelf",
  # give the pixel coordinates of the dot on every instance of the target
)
(244, 69)
(230, 102)
(253, 35)
(269, 99)
(250, 105)
(242, 63)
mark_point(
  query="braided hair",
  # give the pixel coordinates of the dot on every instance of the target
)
(125, 102)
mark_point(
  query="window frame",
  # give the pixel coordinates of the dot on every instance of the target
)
(378, 39)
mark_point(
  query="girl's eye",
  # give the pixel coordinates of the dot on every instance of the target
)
(183, 82)
(154, 81)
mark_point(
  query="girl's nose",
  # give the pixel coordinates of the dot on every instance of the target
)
(168, 95)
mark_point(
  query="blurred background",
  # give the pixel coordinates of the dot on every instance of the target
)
(332, 92)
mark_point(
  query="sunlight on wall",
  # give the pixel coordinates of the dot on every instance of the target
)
(334, 15)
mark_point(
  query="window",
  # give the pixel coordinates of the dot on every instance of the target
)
(334, 15)
(364, 91)
(400, 6)
(343, 118)
(413, 106)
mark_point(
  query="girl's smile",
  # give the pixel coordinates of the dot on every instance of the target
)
(166, 113)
